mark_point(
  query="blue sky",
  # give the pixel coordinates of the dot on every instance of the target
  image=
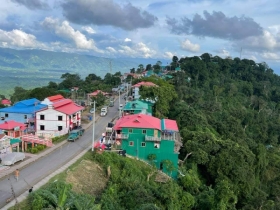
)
(145, 28)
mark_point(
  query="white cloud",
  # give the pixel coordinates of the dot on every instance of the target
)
(89, 29)
(18, 38)
(223, 53)
(127, 40)
(168, 55)
(270, 56)
(268, 41)
(66, 31)
(137, 50)
(111, 49)
(188, 46)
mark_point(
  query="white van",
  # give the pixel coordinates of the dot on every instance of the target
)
(104, 111)
(121, 106)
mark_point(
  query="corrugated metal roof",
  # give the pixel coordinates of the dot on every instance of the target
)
(26, 107)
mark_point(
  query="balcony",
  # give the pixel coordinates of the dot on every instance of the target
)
(122, 136)
(152, 138)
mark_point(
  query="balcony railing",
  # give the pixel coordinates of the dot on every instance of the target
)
(122, 136)
(108, 129)
(152, 138)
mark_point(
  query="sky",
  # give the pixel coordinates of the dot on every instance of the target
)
(145, 28)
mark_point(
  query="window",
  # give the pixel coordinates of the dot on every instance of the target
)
(129, 130)
(59, 128)
(131, 143)
(144, 131)
(143, 144)
(42, 127)
(59, 118)
(2, 118)
(25, 116)
(42, 117)
(6, 115)
(156, 145)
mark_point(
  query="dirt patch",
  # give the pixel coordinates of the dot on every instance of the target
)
(88, 177)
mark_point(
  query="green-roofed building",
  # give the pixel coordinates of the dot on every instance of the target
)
(149, 73)
(178, 69)
(136, 107)
(166, 76)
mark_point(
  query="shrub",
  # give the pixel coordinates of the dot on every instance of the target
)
(34, 150)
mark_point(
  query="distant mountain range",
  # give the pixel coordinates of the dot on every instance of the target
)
(34, 68)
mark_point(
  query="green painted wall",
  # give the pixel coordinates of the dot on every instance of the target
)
(164, 152)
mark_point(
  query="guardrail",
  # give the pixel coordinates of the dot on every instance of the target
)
(152, 138)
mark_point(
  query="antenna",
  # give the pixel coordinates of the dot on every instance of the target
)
(240, 53)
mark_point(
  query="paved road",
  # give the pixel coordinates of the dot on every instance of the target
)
(44, 166)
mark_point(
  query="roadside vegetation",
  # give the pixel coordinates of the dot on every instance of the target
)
(228, 115)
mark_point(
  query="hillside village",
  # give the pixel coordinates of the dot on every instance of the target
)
(31, 122)
(210, 125)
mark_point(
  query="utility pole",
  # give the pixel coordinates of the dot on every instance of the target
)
(119, 103)
(110, 67)
(93, 127)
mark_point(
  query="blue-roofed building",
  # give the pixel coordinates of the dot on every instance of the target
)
(23, 112)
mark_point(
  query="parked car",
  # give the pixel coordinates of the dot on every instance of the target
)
(121, 106)
(75, 134)
(12, 158)
(91, 111)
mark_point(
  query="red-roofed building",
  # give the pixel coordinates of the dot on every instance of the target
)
(95, 93)
(144, 136)
(6, 102)
(59, 117)
(55, 98)
(135, 88)
(13, 128)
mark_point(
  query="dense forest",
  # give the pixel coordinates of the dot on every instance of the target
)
(228, 114)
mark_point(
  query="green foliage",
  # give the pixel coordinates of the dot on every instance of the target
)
(58, 195)
(128, 181)
(42, 93)
(34, 150)
(58, 139)
(99, 99)
(228, 117)
(163, 94)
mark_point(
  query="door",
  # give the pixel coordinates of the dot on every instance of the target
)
(155, 133)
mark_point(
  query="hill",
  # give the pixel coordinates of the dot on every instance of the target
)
(34, 68)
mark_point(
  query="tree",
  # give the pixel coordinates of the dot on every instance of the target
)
(91, 78)
(19, 94)
(148, 67)
(162, 95)
(99, 99)
(132, 71)
(70, 81)
(42, 93)
(140, 69)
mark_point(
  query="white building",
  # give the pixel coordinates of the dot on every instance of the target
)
(136, 87)
(59, 117)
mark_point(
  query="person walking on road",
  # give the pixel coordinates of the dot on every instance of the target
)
(16, 174)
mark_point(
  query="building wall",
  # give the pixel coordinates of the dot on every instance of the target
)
(136, 93)
(165, 150)
(51, 121)
(18, 117)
